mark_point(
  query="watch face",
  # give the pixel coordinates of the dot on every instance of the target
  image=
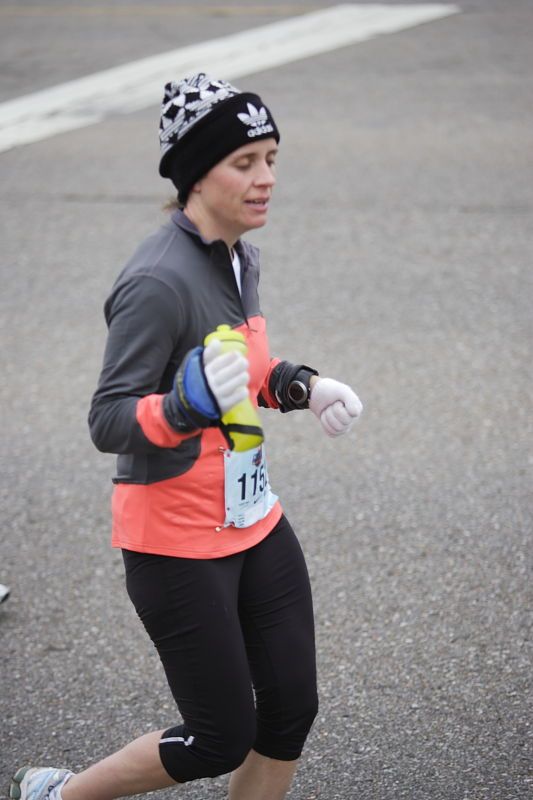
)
(298, 392)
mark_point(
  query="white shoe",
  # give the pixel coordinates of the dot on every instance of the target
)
(38, 783)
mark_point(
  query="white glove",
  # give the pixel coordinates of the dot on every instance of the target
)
(336, 406)
(227, 375)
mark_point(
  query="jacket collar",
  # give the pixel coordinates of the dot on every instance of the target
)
(246, 251)
(182, 221)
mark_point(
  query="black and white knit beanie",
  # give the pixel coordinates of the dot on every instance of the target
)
(202, 121)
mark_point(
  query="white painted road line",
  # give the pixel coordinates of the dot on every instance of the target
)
(139, 84)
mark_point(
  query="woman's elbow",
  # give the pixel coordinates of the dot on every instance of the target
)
(98, 431)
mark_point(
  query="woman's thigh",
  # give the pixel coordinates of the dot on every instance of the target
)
(190, 610)
(276, 613)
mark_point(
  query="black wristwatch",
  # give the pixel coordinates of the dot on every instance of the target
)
(298, 393)
(292, 387)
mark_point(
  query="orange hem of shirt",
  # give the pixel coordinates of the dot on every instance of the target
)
(237, 544)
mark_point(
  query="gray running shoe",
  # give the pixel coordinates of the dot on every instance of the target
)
(38, 783)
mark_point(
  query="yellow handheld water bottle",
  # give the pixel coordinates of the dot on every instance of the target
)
(241, 423)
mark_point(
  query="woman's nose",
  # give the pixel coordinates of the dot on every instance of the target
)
(265, 176)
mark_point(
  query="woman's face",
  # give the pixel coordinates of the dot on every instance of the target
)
(234, 196)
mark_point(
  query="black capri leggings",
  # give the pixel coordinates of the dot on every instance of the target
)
(227, 629)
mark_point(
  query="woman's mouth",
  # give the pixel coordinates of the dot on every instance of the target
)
(259, 204)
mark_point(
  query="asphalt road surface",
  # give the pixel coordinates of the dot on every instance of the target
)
(397, 258)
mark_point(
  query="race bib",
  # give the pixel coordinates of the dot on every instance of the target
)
(246, 487)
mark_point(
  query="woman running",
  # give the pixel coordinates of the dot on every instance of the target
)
(212, 565)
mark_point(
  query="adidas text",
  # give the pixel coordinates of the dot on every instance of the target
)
(260, 130)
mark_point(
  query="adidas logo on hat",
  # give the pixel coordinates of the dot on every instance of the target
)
(257, 120)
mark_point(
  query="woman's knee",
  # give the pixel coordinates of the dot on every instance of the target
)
(187, 757)
(284, 727)
(232, 755)
(304, 712)
(310, 709)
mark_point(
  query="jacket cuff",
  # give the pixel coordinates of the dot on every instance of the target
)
(151, 417)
